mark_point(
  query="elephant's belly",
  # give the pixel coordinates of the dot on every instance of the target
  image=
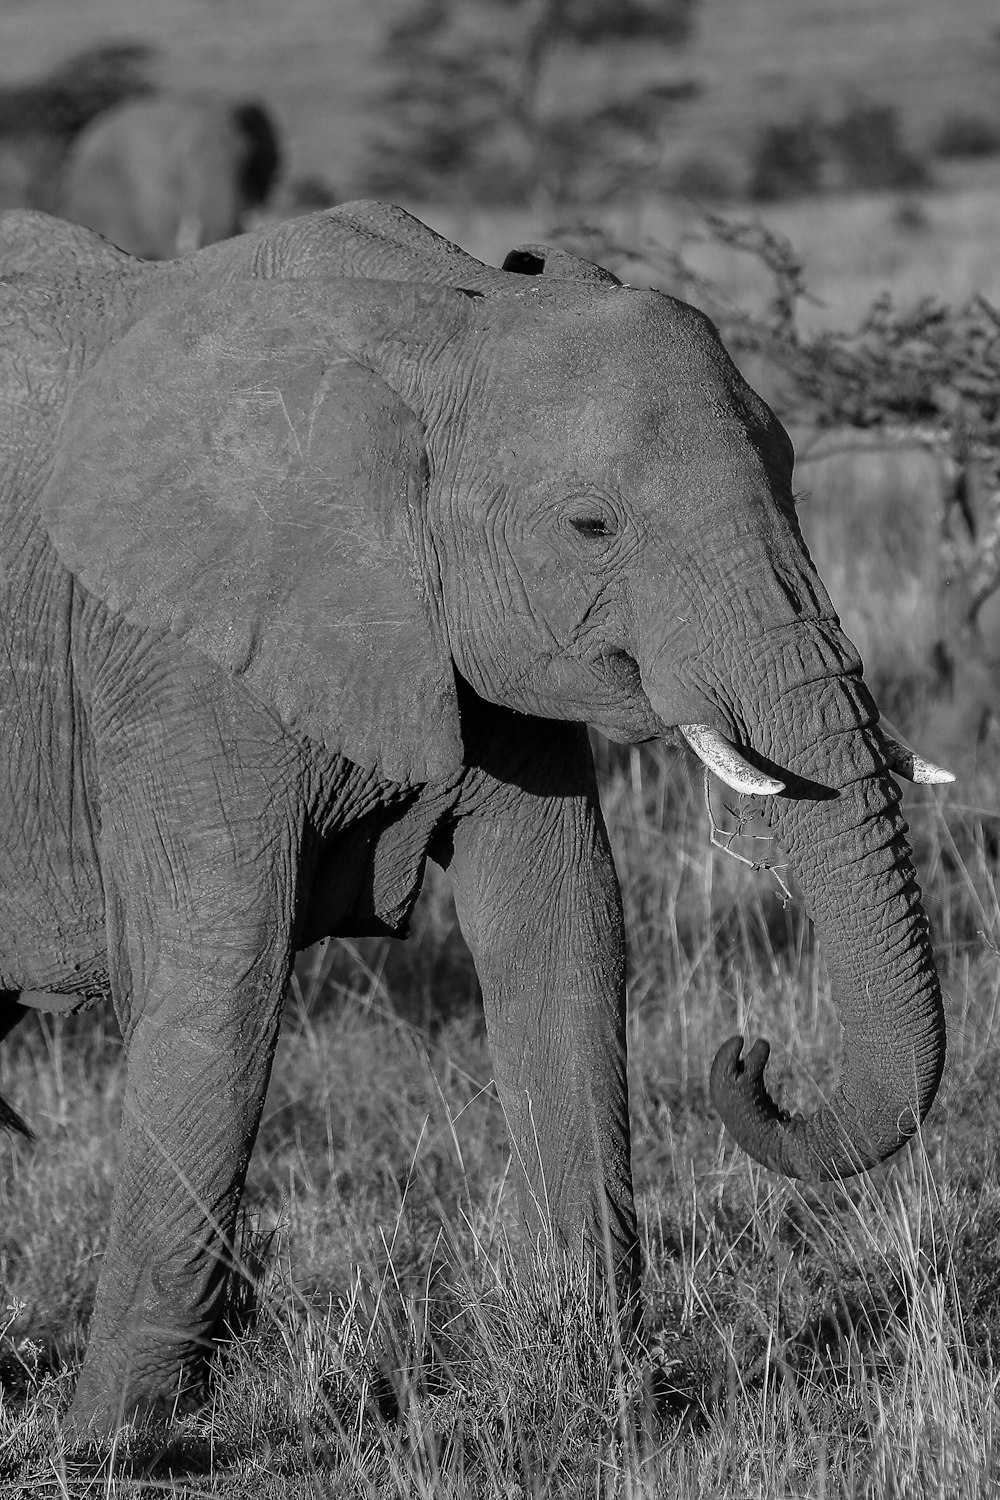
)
(55, 962)
(52, 935)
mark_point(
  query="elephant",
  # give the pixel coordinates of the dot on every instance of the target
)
(906, 546)
(168, 173)
(321, 549)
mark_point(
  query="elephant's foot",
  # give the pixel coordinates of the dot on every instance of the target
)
(109, 1395)
(151, 1339)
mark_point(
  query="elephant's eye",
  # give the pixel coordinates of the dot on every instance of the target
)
(592, 526)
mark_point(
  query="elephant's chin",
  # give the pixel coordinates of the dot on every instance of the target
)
(630, 729)
(615, 702)
(606, 694)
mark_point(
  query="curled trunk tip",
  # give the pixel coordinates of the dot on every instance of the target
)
(826, 1146)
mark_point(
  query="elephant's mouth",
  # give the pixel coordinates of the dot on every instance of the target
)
(605, 690)
(632, 715)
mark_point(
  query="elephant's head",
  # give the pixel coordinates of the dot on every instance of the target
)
(562, 489)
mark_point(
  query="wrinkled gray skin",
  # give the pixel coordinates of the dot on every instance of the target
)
(317, 549)
(163, 175)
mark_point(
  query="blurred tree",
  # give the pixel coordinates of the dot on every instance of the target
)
(866, 139)
(967, 134)
(861, 147)
(467, 112)
(63, 101)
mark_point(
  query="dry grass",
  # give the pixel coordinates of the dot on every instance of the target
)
(831, 1341)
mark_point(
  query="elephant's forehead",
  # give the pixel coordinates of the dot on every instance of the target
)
(643, 351)
(614, 371)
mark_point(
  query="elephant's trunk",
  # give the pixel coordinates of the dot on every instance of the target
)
(840, 825)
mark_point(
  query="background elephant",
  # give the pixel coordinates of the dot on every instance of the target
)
(320, 547)
(905, 552)
(163, 175)
(39, 120)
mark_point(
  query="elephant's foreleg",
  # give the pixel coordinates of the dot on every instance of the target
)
(540, 905)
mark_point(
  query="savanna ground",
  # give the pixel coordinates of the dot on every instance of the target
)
(834, 1341)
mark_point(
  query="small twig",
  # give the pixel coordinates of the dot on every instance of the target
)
(786, 894)
(724, 841)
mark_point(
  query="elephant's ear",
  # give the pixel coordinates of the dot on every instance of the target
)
(228, 472)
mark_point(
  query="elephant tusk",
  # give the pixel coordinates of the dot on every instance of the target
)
(722, 757)
(912, 767)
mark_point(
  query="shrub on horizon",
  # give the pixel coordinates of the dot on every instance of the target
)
(787, 160)
(964, 134)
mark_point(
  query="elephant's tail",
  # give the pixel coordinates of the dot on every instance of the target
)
(11, 1120)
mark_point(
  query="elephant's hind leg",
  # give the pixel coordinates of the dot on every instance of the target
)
(201, 906)
(205, 1010)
